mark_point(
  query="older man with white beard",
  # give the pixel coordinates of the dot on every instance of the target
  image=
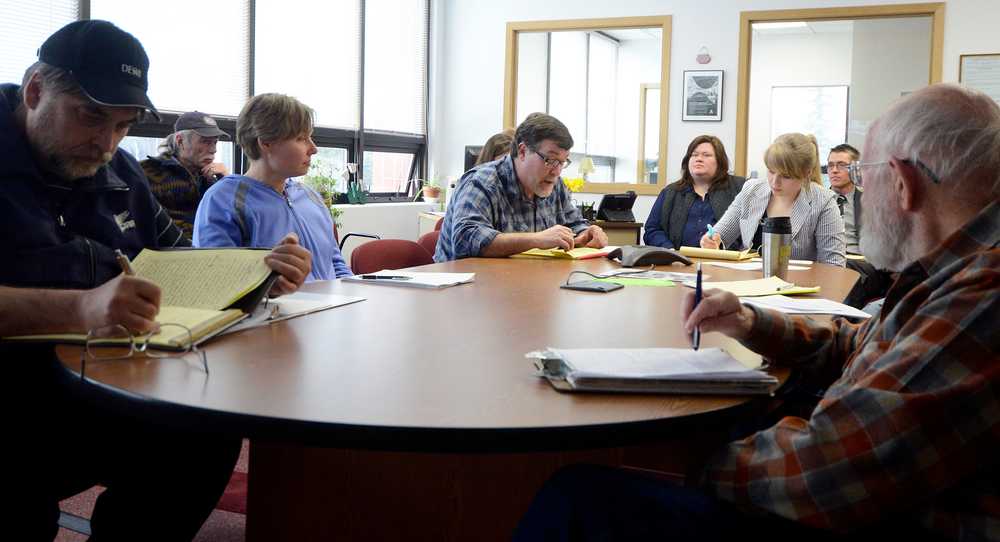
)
(903, 443)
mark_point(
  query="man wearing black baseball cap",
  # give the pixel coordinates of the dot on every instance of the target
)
(186, 167)
(70, 198)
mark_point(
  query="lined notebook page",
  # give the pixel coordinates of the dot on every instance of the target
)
(205, 279)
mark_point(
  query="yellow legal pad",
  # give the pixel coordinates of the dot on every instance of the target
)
(716, 254)
(758, 287)
(581, 253)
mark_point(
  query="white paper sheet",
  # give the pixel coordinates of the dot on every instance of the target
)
(789, 305)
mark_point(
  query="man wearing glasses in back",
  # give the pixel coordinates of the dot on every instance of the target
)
(873, 283)
(518, 203)
(70, 198)
(848, 195)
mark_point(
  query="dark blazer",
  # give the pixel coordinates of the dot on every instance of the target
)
(677, 204)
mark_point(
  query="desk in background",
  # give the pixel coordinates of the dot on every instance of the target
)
(365, 426)
(621, 233)
(426, 221)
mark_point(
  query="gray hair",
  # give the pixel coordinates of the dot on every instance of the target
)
(169, 144)
(57, 80)
(953, 130)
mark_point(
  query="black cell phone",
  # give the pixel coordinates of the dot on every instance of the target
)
(593, 286)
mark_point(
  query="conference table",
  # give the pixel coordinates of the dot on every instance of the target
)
(415, 414)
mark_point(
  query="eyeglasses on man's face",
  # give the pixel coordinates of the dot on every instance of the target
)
(552, 162)
(116, 342)
(837, 166)
(854, 170)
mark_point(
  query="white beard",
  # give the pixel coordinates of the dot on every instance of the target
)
(885, 238)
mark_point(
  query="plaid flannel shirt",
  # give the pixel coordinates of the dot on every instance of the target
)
(489, 201)
(911, 428)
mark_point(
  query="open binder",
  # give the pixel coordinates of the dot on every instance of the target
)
(651, 370)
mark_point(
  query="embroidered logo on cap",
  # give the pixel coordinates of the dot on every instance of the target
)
(132, 70)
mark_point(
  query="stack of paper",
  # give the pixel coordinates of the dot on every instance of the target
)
(646, 273)
(716, 254)
(291, 306)
(633, 276)
(657, 370)
(581, 253)
(757, 287)
(790, 305)
(753, 265)
(413, 279)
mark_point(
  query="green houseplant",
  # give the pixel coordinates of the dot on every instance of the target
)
(322, 179)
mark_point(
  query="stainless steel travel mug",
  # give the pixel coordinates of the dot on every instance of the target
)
(776, 247)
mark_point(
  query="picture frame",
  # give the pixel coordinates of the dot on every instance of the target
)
(702, 95)
(981, 72)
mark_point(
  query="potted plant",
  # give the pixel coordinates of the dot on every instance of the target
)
(431, 191)
(325, 185)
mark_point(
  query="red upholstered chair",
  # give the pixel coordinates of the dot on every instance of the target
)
(438, 224)
(429, 241)
(388, 254)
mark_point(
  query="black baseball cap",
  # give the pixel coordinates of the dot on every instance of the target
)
(109, 64)
(202, 124)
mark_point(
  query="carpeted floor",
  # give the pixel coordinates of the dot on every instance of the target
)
(226, 524)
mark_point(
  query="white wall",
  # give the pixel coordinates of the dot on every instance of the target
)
(793, 60)
(890, 57)
(387, 220)
(467, 95)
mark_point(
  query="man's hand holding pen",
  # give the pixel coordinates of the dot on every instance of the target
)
(718, 311)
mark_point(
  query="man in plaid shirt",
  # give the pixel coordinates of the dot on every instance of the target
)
(518, 203)
(904, 442)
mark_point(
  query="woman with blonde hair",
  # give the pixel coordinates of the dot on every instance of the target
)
(793, 188)
(259, 208)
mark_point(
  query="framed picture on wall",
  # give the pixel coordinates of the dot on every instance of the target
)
(702, 95)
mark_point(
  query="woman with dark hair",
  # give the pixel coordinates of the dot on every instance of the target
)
(684, 209)
(496, 147)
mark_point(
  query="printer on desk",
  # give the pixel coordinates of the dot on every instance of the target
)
(617, 207)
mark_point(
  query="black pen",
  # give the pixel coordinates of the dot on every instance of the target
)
(696, 338)
(385, 277)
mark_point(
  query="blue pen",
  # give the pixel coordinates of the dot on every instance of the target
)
(711, 231)
(696, 339)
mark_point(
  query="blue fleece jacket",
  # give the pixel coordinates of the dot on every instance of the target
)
(266, 217)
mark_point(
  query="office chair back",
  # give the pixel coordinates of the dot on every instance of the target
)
(388, 254)
(342, 241)
(429, 241)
